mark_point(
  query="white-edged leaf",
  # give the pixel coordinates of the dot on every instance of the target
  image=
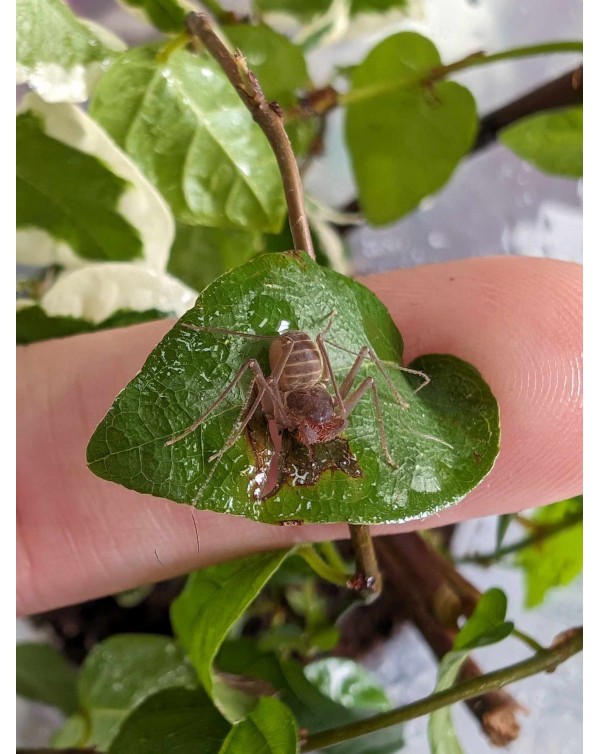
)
(59, 56)
(79, 197)
(348, 683)
(95, 292)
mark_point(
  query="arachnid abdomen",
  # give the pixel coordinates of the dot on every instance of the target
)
(304, 367)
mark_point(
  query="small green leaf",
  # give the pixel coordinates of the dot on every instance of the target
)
(174, 721)
(405, 138)
(444, 443)
(312, 709)
(442, 738)
(73, 733)
(187, 128)
(310, 8)
(45, 676)
(270, 728)
(33, 324)
(212, 600)
(165, 15)
(557, 559)
(487, 624)
(120, 672)
(57, 55)
(552, 140)
(348, 683)
(79, 197)
(200, 255)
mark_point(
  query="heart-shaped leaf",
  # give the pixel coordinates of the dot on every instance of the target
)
(405, 138)
(443, 443)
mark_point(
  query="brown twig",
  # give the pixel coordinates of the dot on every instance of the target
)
(367, 578)
(268, 116)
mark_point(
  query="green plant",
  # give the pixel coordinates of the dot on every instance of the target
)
(167, 171)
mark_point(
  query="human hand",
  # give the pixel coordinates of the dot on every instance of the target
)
(517, 320)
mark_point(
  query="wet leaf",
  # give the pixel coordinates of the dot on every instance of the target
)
(348, 683)
(557, 559)
(186, 127)
(405, 138)
(551, 140)
(444, 443)
(212, 600)
(270, 728)
(174, 720)
(120, 672)
(45, 676)
(57, 54)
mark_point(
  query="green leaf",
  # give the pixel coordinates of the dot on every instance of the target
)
(174, 721)
(200, 255)
(73, 733)
(444, 443)
(57, 55)
(79, 197)
(187, 128)
(212, 600)
(44, 675)
(552, 140)
(405, 139)
(442, 738)
(165, 15)
(313, 710)
(33, 324)
(278, 63)
(269, 729)
(487, 624)
(122, 671)
(309, 8)
(558, 559)
(348, 683)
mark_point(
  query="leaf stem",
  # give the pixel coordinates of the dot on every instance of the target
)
(320, 567)
(268, 116)
(528, 640)
(331, 554)
(321, 101)
(367, 577)
(547, 659)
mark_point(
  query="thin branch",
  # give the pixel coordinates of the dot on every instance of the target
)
(268, 116)
(564, 91)
(367, 578)
(543, 532)
(564, 646)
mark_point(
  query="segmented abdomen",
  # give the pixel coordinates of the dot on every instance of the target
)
(304, 367)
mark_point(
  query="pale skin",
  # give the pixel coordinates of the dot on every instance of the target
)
(79, 537)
